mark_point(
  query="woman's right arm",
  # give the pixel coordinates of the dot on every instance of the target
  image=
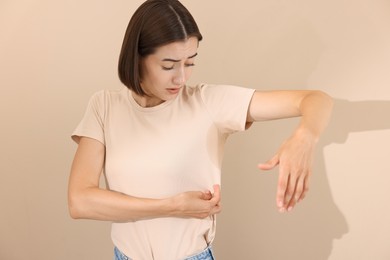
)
(88, 201)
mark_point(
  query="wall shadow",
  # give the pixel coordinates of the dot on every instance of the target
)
(250, 227)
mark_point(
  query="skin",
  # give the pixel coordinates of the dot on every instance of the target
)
(295, 156)
(168, 68)
(163, 74)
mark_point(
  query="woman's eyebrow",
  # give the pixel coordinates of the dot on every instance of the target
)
(173, 60)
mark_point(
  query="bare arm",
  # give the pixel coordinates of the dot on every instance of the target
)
(87, 200)
(295, 156)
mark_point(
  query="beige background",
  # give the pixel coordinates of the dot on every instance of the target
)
(55, 54)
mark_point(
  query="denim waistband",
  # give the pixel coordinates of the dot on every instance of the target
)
(206, 254)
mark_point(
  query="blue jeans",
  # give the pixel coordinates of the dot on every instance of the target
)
(206, 254)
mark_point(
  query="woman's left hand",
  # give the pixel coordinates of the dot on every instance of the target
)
(294, 158)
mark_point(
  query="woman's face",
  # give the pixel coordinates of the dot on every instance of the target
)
(166, 71)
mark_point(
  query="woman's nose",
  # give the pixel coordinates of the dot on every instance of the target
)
(180, 77)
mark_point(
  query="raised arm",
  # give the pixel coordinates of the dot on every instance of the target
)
(88, 201)
(295, 155)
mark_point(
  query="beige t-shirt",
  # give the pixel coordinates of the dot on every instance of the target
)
(161, 151)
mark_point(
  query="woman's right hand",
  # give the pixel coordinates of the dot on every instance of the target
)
(197, 204)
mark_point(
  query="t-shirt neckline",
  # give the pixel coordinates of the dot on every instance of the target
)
(147, 109)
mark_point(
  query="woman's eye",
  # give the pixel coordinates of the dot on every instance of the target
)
(171, 68)
(167, 68)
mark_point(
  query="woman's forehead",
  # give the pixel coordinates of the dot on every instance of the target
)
(178, 50)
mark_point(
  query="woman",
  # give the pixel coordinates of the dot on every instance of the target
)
(160, 142)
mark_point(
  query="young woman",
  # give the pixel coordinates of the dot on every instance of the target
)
(160, 142)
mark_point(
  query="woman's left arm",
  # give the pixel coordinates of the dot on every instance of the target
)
(295, 155)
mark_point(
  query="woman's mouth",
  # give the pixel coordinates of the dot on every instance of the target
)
(173, 90)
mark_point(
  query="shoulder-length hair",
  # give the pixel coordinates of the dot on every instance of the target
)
(154, 24)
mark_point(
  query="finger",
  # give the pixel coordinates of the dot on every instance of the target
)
(270, 164)
(217, 194)
(289, 199)
(217, 189)
(281, 190)
(217, 209)
(299, 189)
(295, 198)
(207, 195)
(305, 187)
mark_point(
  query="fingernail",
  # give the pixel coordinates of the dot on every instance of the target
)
(289, 209)
(280, 203)
(282, 210)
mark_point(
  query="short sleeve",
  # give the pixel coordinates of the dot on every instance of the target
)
(228, 105)
(92, 124)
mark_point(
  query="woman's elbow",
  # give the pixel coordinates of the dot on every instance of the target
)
(325, 96)
(75, 206)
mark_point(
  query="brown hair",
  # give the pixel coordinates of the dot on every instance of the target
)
(154, 23)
